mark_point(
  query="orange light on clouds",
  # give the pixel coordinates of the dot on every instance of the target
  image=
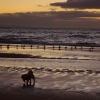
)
(12, 6)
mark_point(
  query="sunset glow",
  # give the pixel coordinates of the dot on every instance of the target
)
(12, 6)
(60, 12)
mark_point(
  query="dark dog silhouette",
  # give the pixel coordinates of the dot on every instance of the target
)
(28, 76)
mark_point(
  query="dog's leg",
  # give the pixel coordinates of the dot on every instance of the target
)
(27, 82)
(30, 81)
(33, 79)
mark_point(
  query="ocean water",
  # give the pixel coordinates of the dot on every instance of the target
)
(50, 36)
(52, 60)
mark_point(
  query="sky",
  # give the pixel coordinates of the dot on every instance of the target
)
(50, 13)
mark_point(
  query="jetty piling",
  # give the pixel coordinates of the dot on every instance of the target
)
(38, 47)
(16, 46)
(66, 48)
(44, 47)
(0, 46)
(8, 46)
(75, 47)
(31, 46)
(53, 47)
(59, 47)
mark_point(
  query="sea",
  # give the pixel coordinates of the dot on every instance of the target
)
(50, 36)
(51, 50)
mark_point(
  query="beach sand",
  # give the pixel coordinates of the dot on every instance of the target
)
(48, 86)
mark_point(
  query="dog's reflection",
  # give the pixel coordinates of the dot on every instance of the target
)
(27, 86)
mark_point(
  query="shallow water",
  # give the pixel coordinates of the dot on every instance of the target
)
(53, 59)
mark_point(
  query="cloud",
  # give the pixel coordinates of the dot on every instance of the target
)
(61, 19)
(79, 4)
(42, 6)
(52, 9)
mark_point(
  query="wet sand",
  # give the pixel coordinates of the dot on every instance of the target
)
(48, 86)
(65, 84)
(14, 55)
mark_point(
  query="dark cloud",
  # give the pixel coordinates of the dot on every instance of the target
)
(62, 19)
(79, 4)
(52, 9)
(41, 6)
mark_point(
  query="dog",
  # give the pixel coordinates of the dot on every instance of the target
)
(28, 76)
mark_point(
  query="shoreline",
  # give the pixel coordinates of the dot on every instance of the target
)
(51, 83)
